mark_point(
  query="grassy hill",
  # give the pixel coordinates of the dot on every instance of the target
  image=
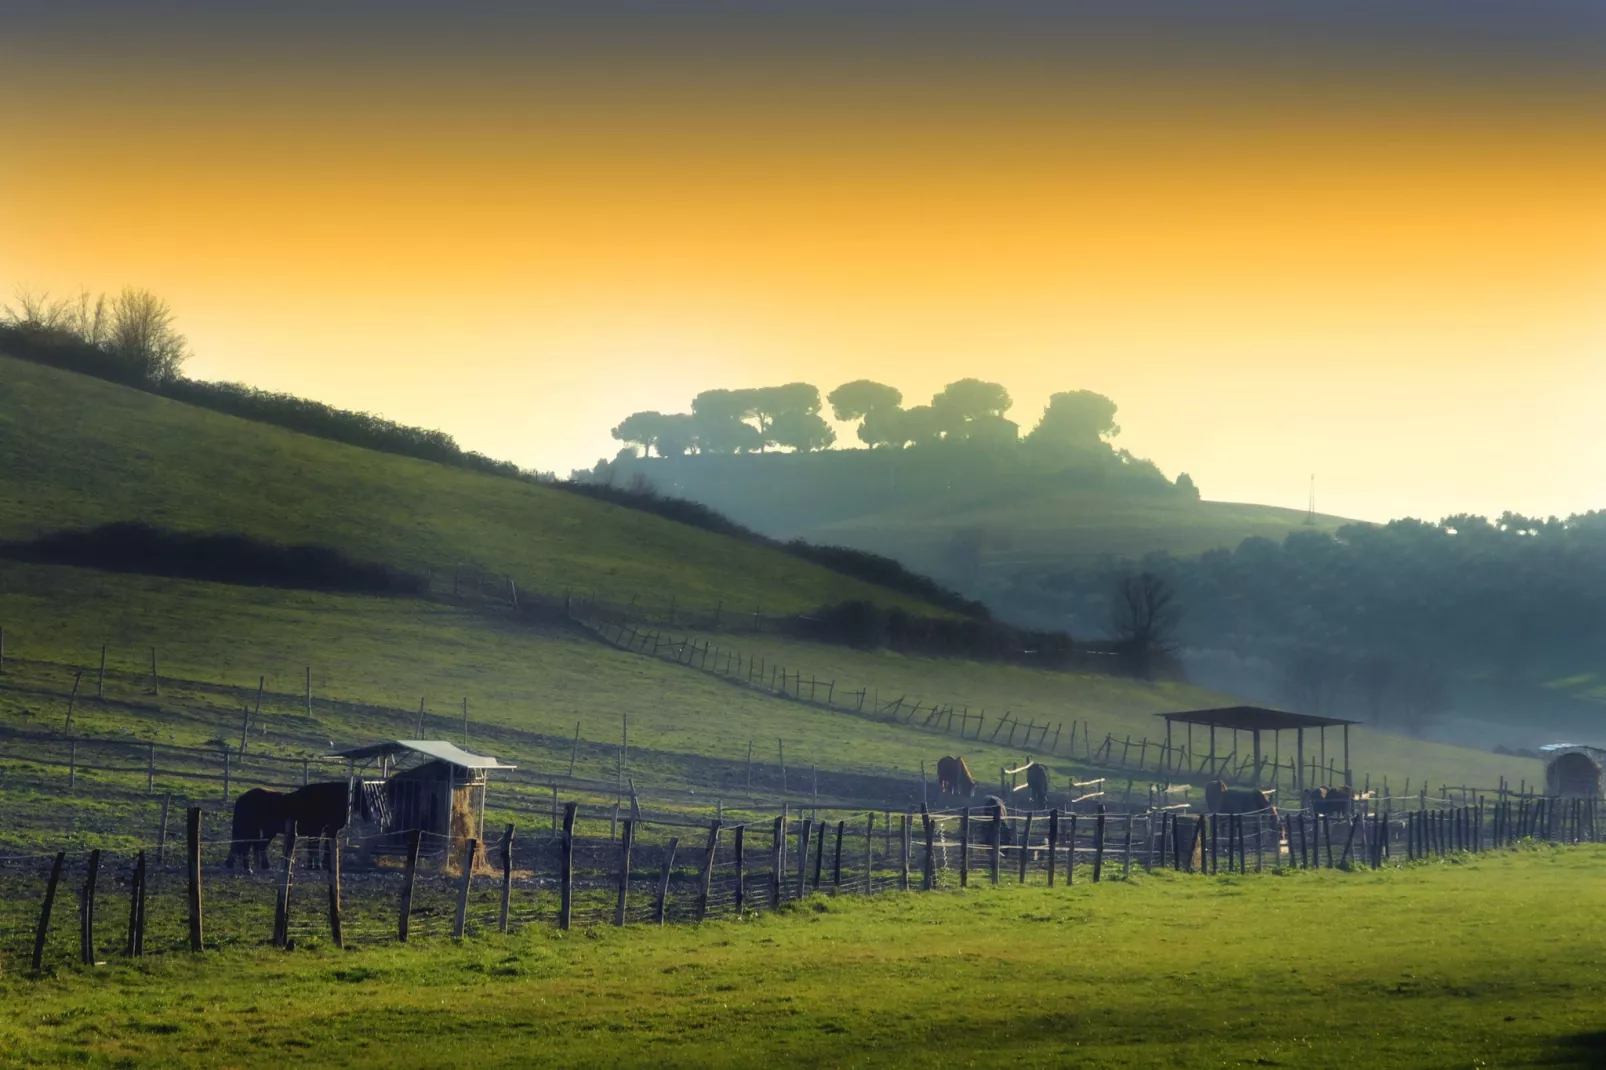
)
(973, 521)
(78, 452)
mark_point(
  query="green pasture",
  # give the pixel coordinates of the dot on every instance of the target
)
(527, 687)
(1481, 961)
(1114, 705)
(76, 452)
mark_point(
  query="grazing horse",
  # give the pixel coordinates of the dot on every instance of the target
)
(1037, 786)
(993, 807)
(317, 810)
(258, 817)
(953, 777)
(1220, 799)
(1336, 801)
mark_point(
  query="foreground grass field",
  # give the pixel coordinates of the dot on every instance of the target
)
(1485, 961)
(76, 452)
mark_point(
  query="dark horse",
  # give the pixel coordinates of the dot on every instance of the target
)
(317, 810)
(1037, 786)
(993, 807)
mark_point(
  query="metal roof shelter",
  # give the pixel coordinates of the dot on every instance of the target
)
(438, 749)
(440, 790)
(1258, 719)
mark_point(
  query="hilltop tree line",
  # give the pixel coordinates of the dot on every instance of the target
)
(1075, 428)
(1379, 620)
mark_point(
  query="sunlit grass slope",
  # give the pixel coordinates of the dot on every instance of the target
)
(394, 652)
(1050, 529)
(1446, 965)
(1119, 706)
(76, 452)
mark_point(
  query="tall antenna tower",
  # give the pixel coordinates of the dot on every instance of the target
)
(1310, 506)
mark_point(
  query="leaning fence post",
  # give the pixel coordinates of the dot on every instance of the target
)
(44, 912)
(1126, 862)
(624, 870)
(663, 881)
(708, 868)
(192, 847)
(86, 911)
(281, 912)
(414, 839)
(470, 849)
(507, 879)
(804, 829)
(566, 873)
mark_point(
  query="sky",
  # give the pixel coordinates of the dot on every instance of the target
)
(1363, 241)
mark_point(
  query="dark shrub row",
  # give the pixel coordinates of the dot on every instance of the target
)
(238, 559)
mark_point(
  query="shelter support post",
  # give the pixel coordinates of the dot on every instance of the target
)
(1256, 734)
(1299, 755)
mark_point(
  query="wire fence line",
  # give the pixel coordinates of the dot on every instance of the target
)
(361, 887)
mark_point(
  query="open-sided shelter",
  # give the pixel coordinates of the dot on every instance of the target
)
(430, 785)
(1255, 720)
(1573, 770)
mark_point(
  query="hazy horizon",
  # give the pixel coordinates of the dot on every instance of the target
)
(1368, 245)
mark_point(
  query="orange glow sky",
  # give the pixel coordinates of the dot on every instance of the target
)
(1398, 288)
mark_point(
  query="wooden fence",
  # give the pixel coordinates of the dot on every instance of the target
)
(150, 900)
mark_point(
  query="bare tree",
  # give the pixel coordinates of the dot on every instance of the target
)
(1143, 621)
(34, 308)
(141, 332)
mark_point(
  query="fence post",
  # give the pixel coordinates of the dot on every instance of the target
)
(869, 853)
(471, 848)
(86, 911)
(150, 771)
(414, 838)
(192, 848)
(964, 847)
(136, 909)
(156, 681)
(776, 864)
(1098, 845)
(566, 872)
(1070, 851)
(44, 912)
(903, 865)
(281, 911)
(336, 929)
(998, 841)
(100, 681)
(836, 876)
(1053, 842)
(740, 847)
(928, 870)
(624, 870)
(507, 879)
(663, 881)
(1025, 853)
(708, 868)
(804, 829)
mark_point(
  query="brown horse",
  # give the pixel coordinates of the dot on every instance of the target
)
(317, 810)
(1220, 799)
(1037, 786)
(953, 777)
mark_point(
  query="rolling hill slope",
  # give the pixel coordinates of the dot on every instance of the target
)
(77, 452)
